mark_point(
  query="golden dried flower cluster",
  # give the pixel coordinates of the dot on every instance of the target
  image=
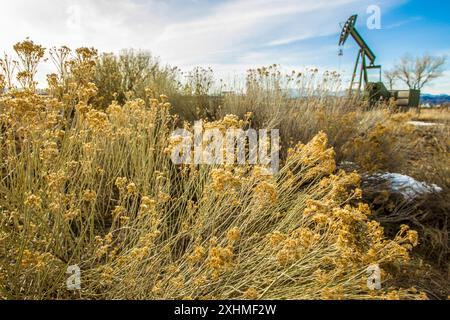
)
(96, 188)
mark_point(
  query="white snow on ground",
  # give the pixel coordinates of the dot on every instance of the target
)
(424, 124)
(409, 187)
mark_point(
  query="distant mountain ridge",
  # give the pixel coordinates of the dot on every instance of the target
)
(425, 98)
(435, 99)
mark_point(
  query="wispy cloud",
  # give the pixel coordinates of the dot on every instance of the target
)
(233, 34)
(403, 22)
(182, 32)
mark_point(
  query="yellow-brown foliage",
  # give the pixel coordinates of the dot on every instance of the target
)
(97, 189)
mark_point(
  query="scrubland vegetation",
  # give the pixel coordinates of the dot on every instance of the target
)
(87, 180)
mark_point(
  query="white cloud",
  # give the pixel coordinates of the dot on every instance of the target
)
(243, 26)
(439, 86)
(179, 31)
(233, 35)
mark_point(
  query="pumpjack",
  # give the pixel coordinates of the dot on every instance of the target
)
(374, 91)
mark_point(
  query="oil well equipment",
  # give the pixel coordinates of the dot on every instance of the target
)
(365, 62)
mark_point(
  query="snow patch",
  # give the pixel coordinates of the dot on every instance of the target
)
(424, 124)
(407, 186)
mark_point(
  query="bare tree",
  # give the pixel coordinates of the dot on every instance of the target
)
(417, 72)
(391, 77)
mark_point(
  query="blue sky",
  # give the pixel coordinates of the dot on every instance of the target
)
(234, 35)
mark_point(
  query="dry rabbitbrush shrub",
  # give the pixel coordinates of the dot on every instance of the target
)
(97, 189)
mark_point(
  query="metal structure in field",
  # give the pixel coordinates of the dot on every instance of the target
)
(365, 61)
